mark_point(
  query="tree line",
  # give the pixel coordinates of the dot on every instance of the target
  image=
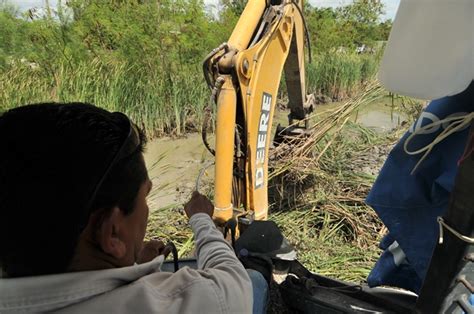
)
(137, 55)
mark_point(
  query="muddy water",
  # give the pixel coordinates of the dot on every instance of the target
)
(174, 164)
(379, 116)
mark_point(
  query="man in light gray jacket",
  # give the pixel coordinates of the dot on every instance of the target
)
(73, 214)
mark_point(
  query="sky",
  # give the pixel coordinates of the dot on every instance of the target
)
(391, 6)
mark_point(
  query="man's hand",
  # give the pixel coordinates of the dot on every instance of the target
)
(198, 204)
(152, 249)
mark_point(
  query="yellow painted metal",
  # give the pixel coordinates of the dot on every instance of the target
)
(295, 70)
(245, 27)
(259, 93)
(300, 37)
(225, 128)
(258, 71)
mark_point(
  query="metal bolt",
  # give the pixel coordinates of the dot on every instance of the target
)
(245, 66)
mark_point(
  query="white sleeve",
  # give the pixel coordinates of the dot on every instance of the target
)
(217, 262)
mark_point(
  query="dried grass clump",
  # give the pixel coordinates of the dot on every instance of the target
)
(319, 201)
(171, 224)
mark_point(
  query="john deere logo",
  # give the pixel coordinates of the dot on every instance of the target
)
(262, 139)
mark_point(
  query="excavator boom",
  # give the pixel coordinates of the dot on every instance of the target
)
(245, 74)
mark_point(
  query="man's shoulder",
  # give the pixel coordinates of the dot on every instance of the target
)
(158, 292)
(170, 284)
(184, 290)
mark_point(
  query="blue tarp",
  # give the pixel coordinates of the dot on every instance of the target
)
(409, 204)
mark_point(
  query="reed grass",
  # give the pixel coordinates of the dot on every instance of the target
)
(340, 75)
(318, 200)
(162, 103)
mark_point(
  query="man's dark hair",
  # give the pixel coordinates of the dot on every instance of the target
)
(52, 156)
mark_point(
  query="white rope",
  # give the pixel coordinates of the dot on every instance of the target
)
(455, 124)
(460, 236)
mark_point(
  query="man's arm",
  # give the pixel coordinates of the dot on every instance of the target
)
(210, 242)
(216, 259)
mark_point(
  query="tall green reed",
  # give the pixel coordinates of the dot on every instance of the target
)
(162, 102)
(340, 75)
(158, 104)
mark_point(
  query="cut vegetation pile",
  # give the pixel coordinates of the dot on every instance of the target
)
(319, 201)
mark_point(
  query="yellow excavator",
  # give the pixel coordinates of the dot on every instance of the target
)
(244, 76)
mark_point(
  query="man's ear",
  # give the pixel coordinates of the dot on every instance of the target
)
(108, 234)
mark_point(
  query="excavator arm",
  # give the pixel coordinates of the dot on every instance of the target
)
(245, 75)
